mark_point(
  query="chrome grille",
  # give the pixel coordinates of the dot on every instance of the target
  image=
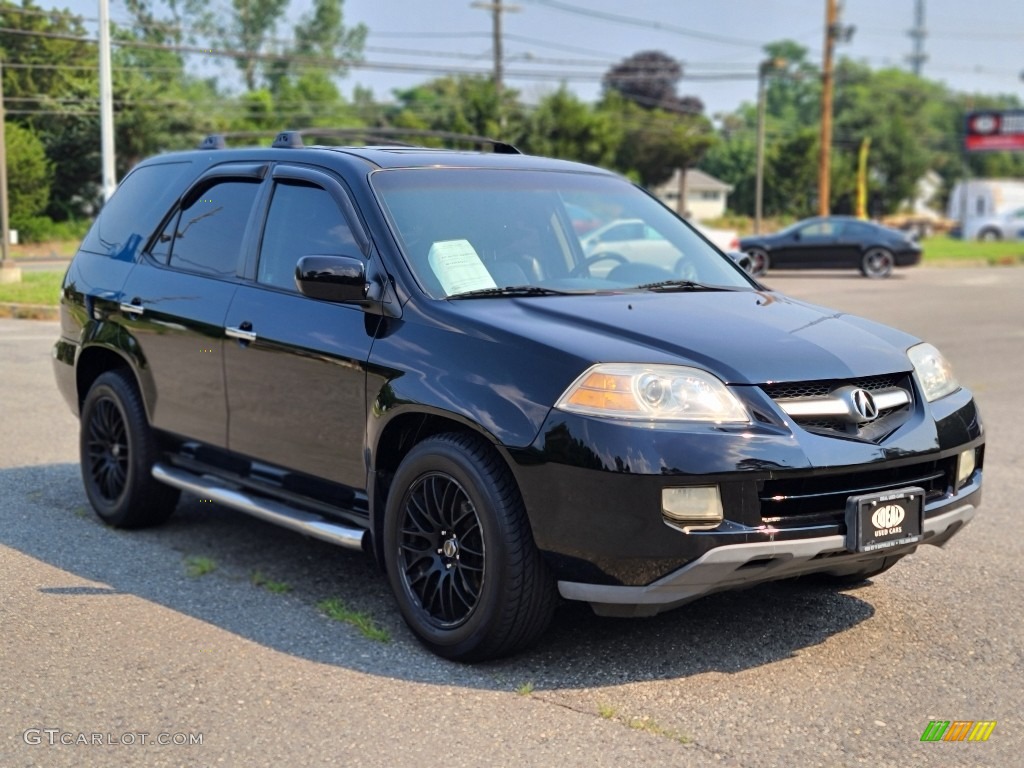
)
(824, 386)
(824, 422)
(821, 499)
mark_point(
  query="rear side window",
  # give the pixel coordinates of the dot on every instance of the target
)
(207, 236)
(304, 220)
(135, 210)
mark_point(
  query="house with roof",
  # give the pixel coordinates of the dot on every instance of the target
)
(706, 196)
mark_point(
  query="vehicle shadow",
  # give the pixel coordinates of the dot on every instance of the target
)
(44, 514)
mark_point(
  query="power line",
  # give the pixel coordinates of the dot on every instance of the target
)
(648, 24)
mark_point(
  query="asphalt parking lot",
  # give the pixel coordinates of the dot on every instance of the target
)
(104, 635)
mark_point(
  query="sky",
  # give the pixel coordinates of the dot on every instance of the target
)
(975, 46)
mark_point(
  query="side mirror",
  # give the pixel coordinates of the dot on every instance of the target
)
(332, 278)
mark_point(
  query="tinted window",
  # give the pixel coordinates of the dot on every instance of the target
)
(468, 230)
(209, 233)
(135, 210)
(304, 220)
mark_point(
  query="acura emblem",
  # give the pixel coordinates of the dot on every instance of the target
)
(864, 404)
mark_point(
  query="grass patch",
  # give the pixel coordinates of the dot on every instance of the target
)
(648, 725)
(277, 587)
(336, 610)
(81, 512)
(942, 248)
(197, 566)
(34, 288)
(645, 724)
(525, 689)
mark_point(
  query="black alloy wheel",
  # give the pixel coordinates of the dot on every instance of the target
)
(459, 552)
(118, 450)
(442, 550)
(107, 450)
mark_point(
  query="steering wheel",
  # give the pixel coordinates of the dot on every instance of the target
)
(583, 268)
(685, 270)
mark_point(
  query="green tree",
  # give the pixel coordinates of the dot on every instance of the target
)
(563, 126)
(463, 104)
(29, 176)
(50, 87)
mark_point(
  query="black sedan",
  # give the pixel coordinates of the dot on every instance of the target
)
(832, 242)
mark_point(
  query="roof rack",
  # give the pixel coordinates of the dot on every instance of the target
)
(384, 136)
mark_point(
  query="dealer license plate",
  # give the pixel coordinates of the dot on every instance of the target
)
(878, 521)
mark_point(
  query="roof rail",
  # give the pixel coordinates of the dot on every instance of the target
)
(384, 136)
(213, 141)
(389, 136)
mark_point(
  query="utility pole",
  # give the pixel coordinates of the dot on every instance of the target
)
(9, 273)
(917, 33)
(106, 104)
(497, 7)
(824, 161)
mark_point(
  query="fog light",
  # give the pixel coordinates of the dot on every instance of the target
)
(965, 466)
(692, 508)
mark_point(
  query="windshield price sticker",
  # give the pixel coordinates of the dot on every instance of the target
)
(458, 267)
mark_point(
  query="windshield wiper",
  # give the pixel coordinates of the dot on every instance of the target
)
(510, 290)
(680, 285)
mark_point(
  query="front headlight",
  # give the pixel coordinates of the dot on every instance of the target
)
(652, 393)
(933, 371)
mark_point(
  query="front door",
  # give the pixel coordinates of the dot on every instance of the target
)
(295, 366)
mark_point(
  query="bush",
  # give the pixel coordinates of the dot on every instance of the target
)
(41, 229)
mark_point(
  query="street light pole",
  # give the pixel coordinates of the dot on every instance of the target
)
(9, 272)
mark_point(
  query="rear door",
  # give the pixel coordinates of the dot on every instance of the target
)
(176, 298)
(295, 366)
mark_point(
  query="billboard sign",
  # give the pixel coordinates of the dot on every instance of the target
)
(993, 130)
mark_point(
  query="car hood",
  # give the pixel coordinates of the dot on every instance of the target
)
(744, 337)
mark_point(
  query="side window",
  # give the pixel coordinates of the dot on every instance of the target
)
(304, 220)
(208, 235)
(131, 215)
(161, 250)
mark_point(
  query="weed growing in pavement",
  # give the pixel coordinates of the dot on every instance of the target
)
(334, 608)
(277, 587)
(525, 689)
(197, 566)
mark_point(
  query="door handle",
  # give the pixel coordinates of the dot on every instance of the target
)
(243, 332)
(134, 308)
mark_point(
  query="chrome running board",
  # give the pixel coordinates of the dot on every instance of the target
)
(265, 509)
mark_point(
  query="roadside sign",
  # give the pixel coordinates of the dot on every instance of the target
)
(994, 130)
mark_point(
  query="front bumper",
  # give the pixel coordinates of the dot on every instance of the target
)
(734, 566)
(593, 493)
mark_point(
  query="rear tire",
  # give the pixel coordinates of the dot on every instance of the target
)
(118, 450)
(459, 552)
(759, 262)
(989, 235)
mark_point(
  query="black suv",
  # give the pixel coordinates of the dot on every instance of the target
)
(409, 351)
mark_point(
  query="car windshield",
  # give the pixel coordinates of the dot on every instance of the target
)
(464, 231)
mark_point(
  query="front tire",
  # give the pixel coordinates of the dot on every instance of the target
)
(459, 552)
(118, 450)
(989, 235)
(877, 263)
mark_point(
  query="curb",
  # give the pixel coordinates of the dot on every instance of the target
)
(29, 311)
